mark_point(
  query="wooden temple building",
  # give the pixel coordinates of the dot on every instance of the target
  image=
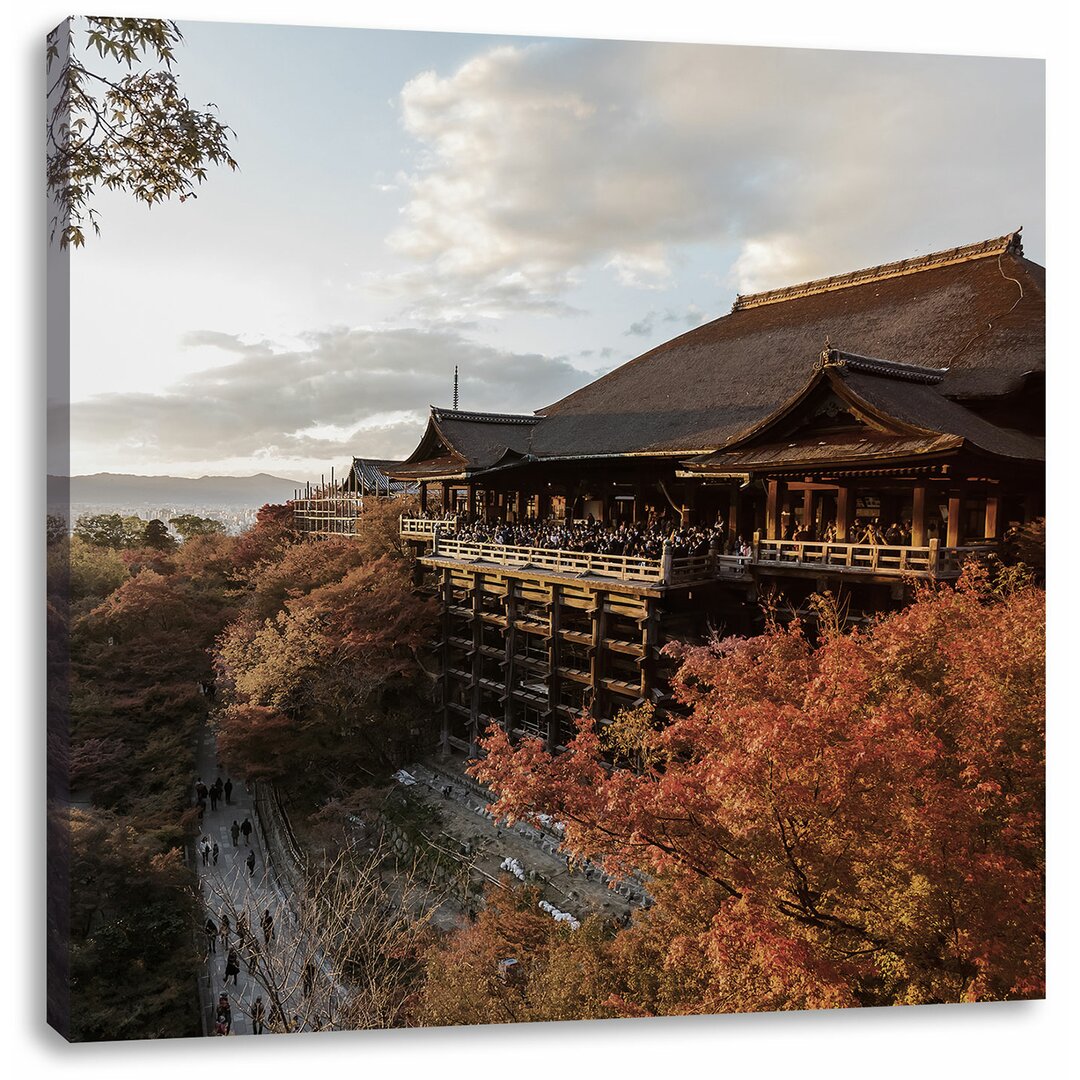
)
(325, 509)
(911, 392)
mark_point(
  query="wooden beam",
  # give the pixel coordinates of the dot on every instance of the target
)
(845, 513)
(918, 515)
(956, 506)
(776, 493)
(992, 530)
(554, 626)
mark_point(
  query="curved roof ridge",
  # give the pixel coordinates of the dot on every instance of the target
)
(893, 369)
(998, 245)
(483, 417)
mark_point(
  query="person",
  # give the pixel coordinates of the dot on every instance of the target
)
(234, 831)
(224, 1015)
(257, 1013)
(219, 786)
(251, 863)
(200, 790)
(246, 830)
(213, 798)
(211, 934)
(309, 979)
(204, 847)
(232, 967)
(242, 927)
(225, 929)
(253, 954)
(267, 925)
(228, 792)
(216, 852)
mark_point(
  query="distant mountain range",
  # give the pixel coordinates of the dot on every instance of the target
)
(122, 489)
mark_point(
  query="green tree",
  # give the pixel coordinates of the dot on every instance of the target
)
(189, 525)
(110, 530)
(156, 535)
(133, 132)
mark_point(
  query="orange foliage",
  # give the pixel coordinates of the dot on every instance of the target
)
(853, 822)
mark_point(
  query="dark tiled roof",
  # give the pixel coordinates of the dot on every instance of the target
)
(925, 407)
(965, 323)
(982, 319)
(372, 475)
(483, 439)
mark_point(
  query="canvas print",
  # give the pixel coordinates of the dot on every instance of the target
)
(539, 529)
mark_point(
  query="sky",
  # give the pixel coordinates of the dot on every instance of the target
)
(534, 211)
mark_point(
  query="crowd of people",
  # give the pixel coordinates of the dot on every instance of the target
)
(646, 539)
(642, 539)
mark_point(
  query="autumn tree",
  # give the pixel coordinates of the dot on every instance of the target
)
(124, 125)
(131, 945)
(851, 820)
(333, 675)
(515, 964)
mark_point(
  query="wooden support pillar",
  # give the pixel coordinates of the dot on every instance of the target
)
(918, 515)
(554, 625)
(734, 499)
(807, 521)
(446, 507)
(477, 662)
(956, 508)
(776, 492)
(543, 509)
(845, 513)
(509, 680)
(447, 599)
(992, 529)
(599, 632)
(470, 505)
(519, 506)
(649, 638)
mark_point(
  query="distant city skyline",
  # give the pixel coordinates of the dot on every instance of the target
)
(534, 211)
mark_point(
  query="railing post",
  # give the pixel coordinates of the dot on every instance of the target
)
(932, 559)
(665, 563)
(757, 545)
(435, 539)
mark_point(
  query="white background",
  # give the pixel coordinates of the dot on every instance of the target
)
(1021, 1039)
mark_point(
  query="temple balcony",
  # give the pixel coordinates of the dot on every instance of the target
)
(802, 558)
(414, 528)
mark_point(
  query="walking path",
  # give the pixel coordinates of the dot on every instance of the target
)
(228, 886)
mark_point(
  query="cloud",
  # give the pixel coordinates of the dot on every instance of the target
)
(641, 328)
(537, 162)
(344, 392)
(691, 316)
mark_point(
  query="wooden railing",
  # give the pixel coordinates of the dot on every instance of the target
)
(413, 528)
(578, 563)
(887, 560)
(930, 561)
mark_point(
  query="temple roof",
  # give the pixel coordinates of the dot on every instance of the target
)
(369, 474)
(962, 324)
(895, 414)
